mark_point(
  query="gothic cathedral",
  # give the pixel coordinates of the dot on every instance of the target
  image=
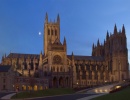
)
(108, 63)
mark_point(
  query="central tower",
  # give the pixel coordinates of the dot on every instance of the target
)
(51, 32)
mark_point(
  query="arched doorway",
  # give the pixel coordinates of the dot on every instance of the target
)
(67, 81)
(54, 82)
(41, 88)
(61, 82)
(35, 87)
(23, 87)
(29, 87)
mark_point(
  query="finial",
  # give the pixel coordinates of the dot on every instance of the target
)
(98, 43)
(107, 36)
(93, 46)
(58, 18)
(123, 29)
(41, 52)
(64, 43)
(115, 29)
(46, 18)
(72, 53)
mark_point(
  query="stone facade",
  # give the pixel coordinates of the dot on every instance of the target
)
(108, 63)
(6, 78)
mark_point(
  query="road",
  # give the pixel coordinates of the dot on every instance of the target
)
(65, 97)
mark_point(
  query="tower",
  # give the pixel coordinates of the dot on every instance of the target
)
(51, 32)
(119, 59)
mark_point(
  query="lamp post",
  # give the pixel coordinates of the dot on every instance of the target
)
(77, 84)
(13, 87)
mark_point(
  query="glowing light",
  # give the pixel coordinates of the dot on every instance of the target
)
(101, 91)
(117, 87)
(96, 91)
(105, 81)
(105, 90)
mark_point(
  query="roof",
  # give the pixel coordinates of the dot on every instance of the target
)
(91, 58)
(18, 55)
(4, 68)
(76, 57)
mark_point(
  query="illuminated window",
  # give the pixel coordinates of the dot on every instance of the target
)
(51, 32)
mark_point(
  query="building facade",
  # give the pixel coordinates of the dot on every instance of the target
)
(108, 63)
(6, 78)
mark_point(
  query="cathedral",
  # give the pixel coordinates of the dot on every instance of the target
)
(108, 62)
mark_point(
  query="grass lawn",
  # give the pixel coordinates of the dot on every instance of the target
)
(120, 95)
(48, 92)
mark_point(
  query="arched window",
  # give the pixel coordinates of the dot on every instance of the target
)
(55, 32)
(48, 31)
(53, 68)
(61, 68)
(51, 32)
(90, 75)
(25, 66)
(57, 69)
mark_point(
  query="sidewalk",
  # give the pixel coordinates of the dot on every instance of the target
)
(7, 97)
(93, 96)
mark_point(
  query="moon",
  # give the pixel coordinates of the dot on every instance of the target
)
(39, 33)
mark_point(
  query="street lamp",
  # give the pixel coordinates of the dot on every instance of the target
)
(105, 81)
(13, 87)
(77, 84)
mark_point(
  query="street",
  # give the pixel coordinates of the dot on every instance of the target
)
(64, 97)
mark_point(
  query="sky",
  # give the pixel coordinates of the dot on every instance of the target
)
(82, 23)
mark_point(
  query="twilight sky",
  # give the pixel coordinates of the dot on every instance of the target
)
(82, 23)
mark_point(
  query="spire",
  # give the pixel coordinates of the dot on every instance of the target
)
(72, 56)
(104, 41)
(40, 61)
(46, 18)
(107, 36)
(64, 43)
(41, 55)
(58, 18)
(93, 46)
(98, 43)
(115, 29)
(41, 52)
(123, 29)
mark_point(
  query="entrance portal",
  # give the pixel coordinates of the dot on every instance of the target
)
(61, 82)
(54, 82)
